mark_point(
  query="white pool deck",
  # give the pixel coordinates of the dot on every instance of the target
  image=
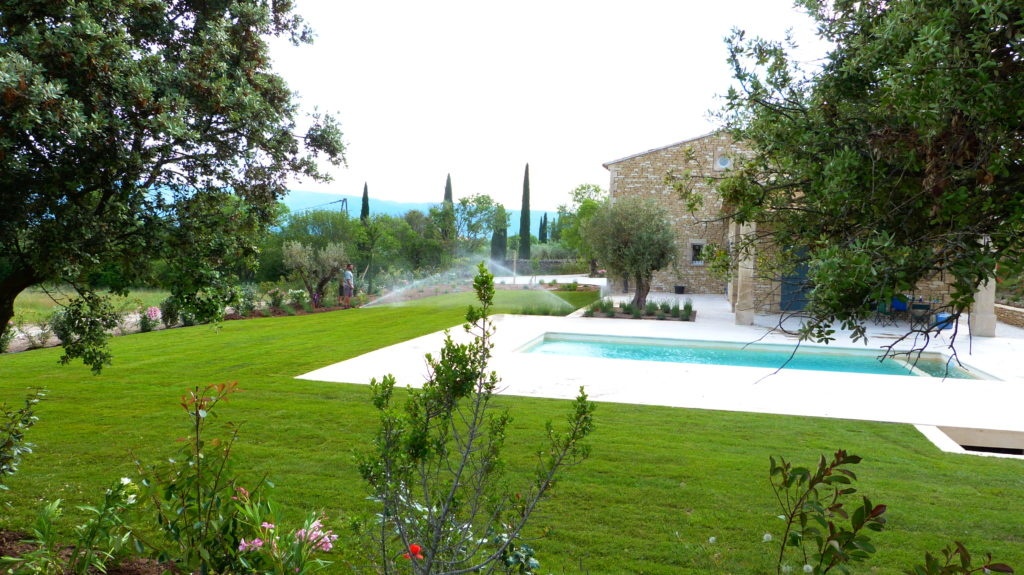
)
(925, 402)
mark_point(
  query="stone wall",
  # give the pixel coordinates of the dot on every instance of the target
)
(699, 161)
(1010, 315)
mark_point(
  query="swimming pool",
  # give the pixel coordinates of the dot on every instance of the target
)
(807, 357)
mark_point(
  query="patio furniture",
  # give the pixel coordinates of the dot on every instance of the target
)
(899, 308)
(883, 315)
(920, 315)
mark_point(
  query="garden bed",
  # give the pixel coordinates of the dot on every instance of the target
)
(663, 311)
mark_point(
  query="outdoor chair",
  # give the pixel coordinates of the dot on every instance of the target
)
(898, 308)
(883, 315)
(920, 315)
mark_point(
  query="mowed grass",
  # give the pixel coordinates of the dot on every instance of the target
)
(659, 484)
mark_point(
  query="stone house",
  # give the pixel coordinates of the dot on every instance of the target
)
(705, 159)
(644, 175)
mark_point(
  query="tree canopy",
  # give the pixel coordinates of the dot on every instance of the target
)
(133, 131)
(586, 201)
(474, 218)
(901, 159)
(634, 238)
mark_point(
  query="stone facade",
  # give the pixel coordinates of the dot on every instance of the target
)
(1010, 315)
(701, 162)
(703, 159)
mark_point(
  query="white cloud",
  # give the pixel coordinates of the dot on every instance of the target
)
(478, 89)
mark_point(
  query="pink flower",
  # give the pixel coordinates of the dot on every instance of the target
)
(267, 525)
(322, 540)
(153, 312)
(244, 545)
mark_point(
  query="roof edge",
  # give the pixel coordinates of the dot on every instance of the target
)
(658, 149)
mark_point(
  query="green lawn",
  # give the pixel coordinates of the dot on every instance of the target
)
(660, 482)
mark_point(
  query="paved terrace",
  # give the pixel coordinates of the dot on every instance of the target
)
(925, 402)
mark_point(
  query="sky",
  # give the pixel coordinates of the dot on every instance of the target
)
(480, 89)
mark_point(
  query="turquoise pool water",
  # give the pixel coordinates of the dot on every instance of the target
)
(746, 355)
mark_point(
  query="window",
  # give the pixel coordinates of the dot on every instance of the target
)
(697, 254)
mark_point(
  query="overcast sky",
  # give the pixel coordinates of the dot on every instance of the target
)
(479, 89)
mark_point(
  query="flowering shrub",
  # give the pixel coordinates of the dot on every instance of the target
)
(297, 297)
(149, 319)
(276, 297)
(270, 549)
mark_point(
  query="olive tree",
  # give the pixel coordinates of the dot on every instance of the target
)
(633, 237)
(314, 267)
(136, 131)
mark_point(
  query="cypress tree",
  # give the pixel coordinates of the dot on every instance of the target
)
(364, 211)
(447, 223)
(542, 233)
(524, 218)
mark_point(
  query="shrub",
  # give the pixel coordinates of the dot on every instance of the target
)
(813, 505)
(248, 300)
(12, 433)
(435, 466)
(97, 540)
(276, 296)
(170, 312)
(297, 298)
(650, 308)
(192, 496)
(7, 336)
(149, 319)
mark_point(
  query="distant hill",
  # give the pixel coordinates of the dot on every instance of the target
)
(298, 201)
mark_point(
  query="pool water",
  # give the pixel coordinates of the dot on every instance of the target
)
(773, 356)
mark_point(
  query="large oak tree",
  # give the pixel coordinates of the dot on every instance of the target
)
(133, 131)
(900, 159)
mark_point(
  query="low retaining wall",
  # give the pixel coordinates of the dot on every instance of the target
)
(1010, 315)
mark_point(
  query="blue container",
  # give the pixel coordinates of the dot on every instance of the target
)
(943, 321)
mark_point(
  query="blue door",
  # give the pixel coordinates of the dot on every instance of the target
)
(795, 288)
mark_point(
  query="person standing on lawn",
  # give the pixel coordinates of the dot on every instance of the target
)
(347, 287)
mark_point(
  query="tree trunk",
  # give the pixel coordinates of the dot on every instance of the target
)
(11, 285)
(643, 287)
